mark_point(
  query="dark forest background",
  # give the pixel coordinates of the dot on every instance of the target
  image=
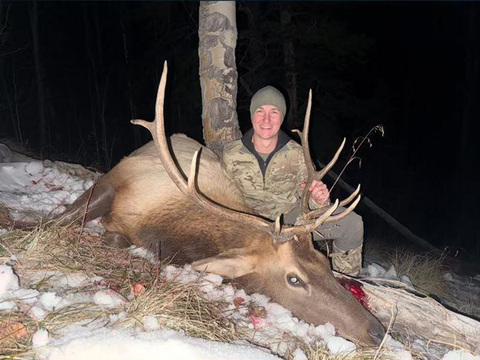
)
(72, 75)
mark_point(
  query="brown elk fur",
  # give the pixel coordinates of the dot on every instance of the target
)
(149, 209)
(138, 202)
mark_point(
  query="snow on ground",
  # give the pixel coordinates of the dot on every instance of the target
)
(32, 189)
(89, 339)
(129, 344)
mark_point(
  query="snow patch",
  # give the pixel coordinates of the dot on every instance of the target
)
(150, 323)
(8, 280)
(122, 344)
(108, 298)
(40, 188)
(40, 338)
(50, 300)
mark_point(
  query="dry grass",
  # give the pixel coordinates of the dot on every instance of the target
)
(5, 219)
(469, 305)
(318, 352)
(178, 306)
(426, 271)
(57, 248)
(16, 330)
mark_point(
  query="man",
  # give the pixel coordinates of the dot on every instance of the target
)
(269, 168)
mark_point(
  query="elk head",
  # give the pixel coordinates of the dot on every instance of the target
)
(276, 260)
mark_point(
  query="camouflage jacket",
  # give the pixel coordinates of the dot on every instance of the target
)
(271, 187)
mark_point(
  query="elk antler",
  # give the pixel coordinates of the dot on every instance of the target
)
(189, 188)
(312, 175)
(157, 129)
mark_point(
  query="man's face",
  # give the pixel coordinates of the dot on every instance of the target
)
(266, 121)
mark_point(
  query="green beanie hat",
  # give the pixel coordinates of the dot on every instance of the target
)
(268, 96)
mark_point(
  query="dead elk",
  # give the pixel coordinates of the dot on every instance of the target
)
(146, 200)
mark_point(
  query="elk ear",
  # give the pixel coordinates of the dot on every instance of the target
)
(232, 263)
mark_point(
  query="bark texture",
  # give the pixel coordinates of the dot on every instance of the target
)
(217, 33)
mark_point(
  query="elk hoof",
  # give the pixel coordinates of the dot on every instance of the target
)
(116, 240)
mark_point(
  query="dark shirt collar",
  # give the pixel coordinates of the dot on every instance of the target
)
(283, 139)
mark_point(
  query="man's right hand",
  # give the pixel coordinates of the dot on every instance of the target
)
(320, 193)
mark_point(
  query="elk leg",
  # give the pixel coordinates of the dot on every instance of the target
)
(116, 240)
(93, 203)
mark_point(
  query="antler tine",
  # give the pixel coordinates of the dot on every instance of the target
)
(351, 197)
(220, 210)
(344, 213)
(326, 169)
(312, 225)
(312, 174)
(317, 212)
(189, 188)
(306, 154)
(323, 215)
(325, 218)
(157, 129)
(318, 175)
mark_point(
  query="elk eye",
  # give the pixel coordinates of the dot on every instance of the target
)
(295, 280)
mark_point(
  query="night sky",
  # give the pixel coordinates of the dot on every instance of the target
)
(90, 67)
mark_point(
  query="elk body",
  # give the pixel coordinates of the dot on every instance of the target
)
(145, 200)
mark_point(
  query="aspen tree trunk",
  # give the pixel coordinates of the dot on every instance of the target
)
(217, 31)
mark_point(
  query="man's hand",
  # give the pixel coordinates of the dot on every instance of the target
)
(320, 193)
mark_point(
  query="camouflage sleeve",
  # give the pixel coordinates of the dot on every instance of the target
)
(227, 164)
(302, 175)
(302, 178)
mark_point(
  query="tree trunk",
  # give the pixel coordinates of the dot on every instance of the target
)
(217, 33)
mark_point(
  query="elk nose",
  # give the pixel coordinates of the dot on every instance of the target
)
(377, 333)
